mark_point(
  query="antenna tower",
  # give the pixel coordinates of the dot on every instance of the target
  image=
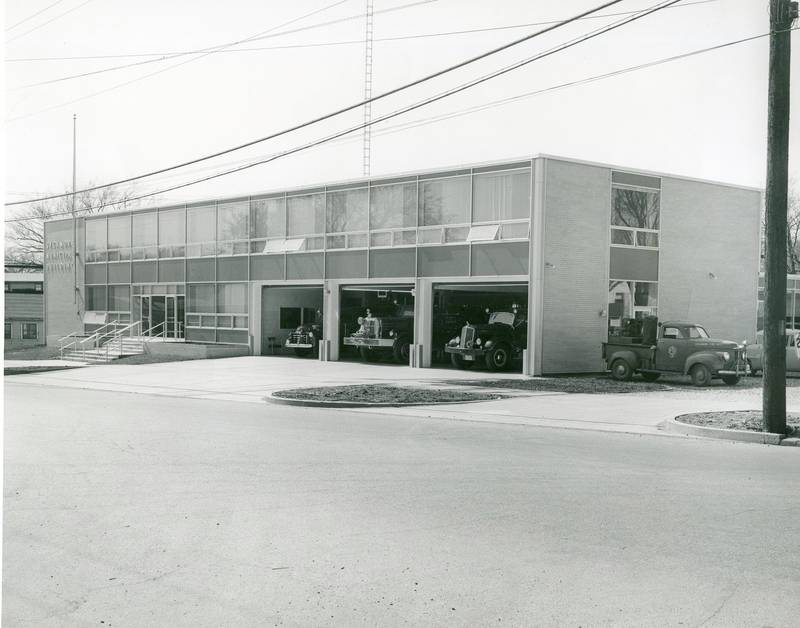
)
(367, 88)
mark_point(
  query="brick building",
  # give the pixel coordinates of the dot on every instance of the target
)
(578, 246)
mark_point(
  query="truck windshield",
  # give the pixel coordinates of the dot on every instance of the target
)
(697, 332)
(506, 318)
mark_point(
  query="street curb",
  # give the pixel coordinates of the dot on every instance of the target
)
(314, 403)
(743, 436)
(30, 370)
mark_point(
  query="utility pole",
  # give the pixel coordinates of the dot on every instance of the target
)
(781, 15)
(74, 219)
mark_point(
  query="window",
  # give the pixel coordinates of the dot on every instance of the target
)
(393, 206)
(119, 238)
(96, 298)
(30, 331)
(501, 196)
(268, 218)
(96, 242)
(697, 332)
(444, 201)
(635, 208)
(232, 298)
(630, 300)
(232, 221)
(305, 214)
(201, 231)
(172, 233)
(347, 210)
(200, 298)
(119, 298)
(7, 331)
(673, 333)
(24, 287)
(145, 230)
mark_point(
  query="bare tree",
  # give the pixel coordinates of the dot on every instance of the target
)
(25, 235)
(793, 231)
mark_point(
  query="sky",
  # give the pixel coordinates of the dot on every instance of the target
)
(703, 116)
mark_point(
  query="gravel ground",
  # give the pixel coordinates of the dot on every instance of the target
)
(373, 393)
(736, 420)
(590, 385)
(604, 384)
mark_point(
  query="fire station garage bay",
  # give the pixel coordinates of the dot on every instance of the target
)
(529, 264)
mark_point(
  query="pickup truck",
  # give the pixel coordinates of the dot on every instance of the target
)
(676, 348)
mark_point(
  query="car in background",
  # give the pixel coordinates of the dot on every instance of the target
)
(755, 352)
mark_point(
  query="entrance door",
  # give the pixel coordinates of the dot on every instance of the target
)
(174, 314)
(158, 312)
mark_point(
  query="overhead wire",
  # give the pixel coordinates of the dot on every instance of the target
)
(171, 55)
(172, 67)
(340, 111)
(416, 105)
(223, 47)
(495, 103)
(33, 15)
(36, 28)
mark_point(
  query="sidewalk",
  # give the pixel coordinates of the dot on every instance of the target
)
(249, 379)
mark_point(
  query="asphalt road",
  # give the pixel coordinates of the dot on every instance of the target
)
(142, 510)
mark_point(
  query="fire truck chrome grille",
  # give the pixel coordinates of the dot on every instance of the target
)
(467, 337)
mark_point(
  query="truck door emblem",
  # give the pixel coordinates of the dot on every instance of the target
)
(672, 351)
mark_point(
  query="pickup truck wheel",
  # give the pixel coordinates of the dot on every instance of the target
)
(621, 370)
(650, 377)
(401, 350)
(367, 354)
(701, 376)
(459, 362)
(730, 380)
(498, 358)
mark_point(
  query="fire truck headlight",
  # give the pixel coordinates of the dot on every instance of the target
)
(489, 343)
(453, 342)
(391, 333)
(726, 356)
(478, 342)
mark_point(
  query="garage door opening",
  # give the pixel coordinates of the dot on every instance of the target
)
(291, 321)
(377, 323)
(480, 326)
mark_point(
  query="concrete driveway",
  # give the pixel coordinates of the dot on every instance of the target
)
(250, 379)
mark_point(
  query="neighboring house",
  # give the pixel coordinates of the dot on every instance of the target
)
(24, 310)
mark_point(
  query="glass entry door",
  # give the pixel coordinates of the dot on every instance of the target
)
(161, 315)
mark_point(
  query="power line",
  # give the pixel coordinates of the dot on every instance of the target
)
(412, 107)
(222, 47)
(167, 69)
(327, 116)
(30, 17)
(495, 103)
(36, 28)
(338, 43)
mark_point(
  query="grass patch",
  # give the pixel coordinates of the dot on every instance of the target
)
(749, 420)
(591, 385)
(386, 394)
(32, 353)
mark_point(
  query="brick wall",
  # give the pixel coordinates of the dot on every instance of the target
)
(576, 224)
(63, 315)
(709, 256)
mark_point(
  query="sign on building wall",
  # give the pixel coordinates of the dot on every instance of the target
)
(59, 256)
